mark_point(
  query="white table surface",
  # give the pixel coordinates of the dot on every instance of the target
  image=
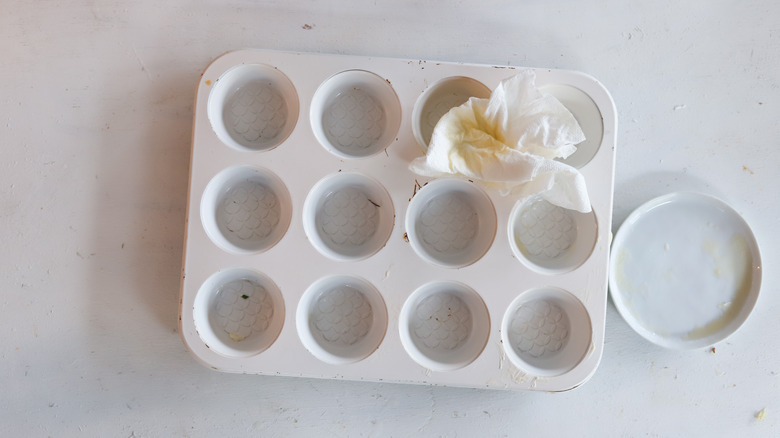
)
(96, 101)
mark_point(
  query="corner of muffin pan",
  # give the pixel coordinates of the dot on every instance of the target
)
(444, 230)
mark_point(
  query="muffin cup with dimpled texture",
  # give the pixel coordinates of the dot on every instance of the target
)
(444, 325)
(451, 222)
(245, 209)
(355, 114)
(546, 332)
(438, 99)
(348, 216)
(551, 239)
(341, 319)
(588, 116)
(253, 107)
(238, 312)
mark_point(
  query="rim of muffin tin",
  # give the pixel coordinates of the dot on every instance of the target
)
(559, 89)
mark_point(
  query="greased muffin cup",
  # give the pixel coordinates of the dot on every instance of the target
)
(546, 331)
(355, 114)
(451, 223)
(444, 325)
(348, 216)
(341, 319)
(551, 239)
(253, 107)
(311, 249)
(245, 209)
(438, 99)
(238, 312)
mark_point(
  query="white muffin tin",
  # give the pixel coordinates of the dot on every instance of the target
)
(312, 250)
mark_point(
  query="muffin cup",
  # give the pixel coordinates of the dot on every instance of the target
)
(546, 332)
(355, 114)
(438, 99)
(451, 223)
(341, 319)
(253, 107)
(588, 116)
(238, 312)
(245, 209)
(444, 325)
(551, 239)
(348, 216)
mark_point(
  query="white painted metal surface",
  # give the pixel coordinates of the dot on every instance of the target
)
(421, 225)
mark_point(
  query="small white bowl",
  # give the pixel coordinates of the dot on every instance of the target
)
(685, 270)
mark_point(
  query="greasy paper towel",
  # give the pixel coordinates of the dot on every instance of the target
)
(510, 141)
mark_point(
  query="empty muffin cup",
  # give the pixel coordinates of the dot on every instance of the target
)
(588, 116)
(355, 114)
(253, 107)
(444, 325)
(551, 239)
(348, 216)
(438, 99)
(245, 209)
(451, 222)
(341, 319)
(546, 332)
(238, 312)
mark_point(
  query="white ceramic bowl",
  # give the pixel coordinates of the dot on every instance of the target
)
(685, 270)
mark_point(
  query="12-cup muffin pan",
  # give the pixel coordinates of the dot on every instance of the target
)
(312, 250)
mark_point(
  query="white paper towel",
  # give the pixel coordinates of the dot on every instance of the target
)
(510, 142)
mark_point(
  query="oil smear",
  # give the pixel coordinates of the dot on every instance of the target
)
(734, 261)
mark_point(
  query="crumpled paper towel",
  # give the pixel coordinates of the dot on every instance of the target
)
(510, 141)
